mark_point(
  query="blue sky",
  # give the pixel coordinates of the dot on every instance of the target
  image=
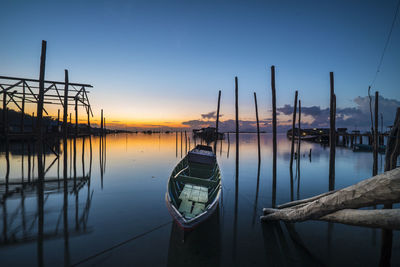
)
(164, 61)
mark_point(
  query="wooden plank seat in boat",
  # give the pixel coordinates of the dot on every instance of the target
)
(196, 181)
(193, 194)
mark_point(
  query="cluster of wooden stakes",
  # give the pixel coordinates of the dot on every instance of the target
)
(338, 206)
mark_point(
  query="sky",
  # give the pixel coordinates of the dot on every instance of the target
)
(162, 62)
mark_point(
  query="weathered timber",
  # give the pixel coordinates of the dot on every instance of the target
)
(387, 218)
(303, 201)
(381, 189)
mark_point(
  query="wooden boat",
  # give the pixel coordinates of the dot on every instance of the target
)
(194, 188)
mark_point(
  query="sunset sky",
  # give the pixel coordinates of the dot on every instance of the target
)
(163, 62)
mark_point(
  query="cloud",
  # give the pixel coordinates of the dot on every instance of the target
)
(350, 117)
(209, 115)
(314, 116)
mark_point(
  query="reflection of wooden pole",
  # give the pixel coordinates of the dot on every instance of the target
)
(375, 167)
(293, 126)
(332, 134)
(274, 146)
(258, 128)
(392, 153)
(101, 123)
(186, 148)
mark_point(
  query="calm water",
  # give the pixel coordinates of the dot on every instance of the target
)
(124, 200)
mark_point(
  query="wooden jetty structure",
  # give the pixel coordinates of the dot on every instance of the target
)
(18, 92)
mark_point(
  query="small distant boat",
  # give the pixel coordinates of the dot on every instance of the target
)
(194, 188)
(367, 148)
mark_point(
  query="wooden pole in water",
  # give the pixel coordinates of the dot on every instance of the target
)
(40, 188)
(376, 137)
(299, 140)
(88, 120)
(237, 130)
(4, 111)
(274, 145)
(76, 116)
(23, 108)
(65, 117)
(217, 121)
(181, 143)
(293, 126)
(332, 134)
(258, 127)
(186, 148)
(39, 112)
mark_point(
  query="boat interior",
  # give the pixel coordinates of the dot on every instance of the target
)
(194, 186)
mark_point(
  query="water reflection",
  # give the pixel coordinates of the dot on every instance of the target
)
(52, 225)
(24, 224)
(201, 247)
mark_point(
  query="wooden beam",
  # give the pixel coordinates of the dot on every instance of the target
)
(380, 189)
(34, 80)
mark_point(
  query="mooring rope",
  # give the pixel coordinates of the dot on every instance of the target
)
(386, 44)
(121, 244)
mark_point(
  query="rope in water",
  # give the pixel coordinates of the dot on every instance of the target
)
(121, 244)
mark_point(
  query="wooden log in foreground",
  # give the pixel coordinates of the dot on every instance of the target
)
(380, 189)
(385, 218)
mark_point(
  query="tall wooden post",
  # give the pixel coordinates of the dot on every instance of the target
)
(23, 108)
(101, 123)
(274, 145)
(237, 130)
(293, 126)
(65, 113)
(298, 141)
(332, 134)
(58, 120)
(88, 120)
(258, 128)
(39, 112)
(4, 111)
(76, 115)
(217, 121)
(40, 189)
(376, 137)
